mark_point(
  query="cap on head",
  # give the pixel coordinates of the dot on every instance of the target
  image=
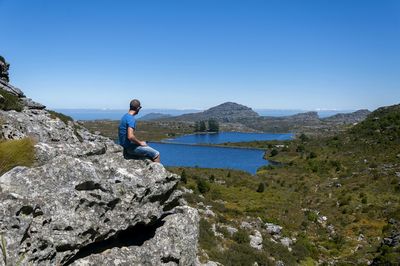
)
(134, 105)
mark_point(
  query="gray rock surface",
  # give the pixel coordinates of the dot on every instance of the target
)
(11, 89)
(30, 104)
(172, 244)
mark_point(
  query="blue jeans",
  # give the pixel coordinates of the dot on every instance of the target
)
(142, 151)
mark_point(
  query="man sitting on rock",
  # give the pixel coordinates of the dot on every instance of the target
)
(127, 139)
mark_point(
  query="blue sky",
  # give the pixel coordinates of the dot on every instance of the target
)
(280, 54)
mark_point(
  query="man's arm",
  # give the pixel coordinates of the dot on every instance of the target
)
(132, 137)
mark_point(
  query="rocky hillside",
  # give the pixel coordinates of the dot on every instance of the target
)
(226, 112)
(82, 202)
(237, 117)
(349, 118)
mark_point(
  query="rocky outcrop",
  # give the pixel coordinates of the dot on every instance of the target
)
(4, 66)
(83, 203)
(226, 112)
(70, 208)
(11, 89)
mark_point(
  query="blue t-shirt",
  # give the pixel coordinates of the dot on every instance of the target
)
(127, 120)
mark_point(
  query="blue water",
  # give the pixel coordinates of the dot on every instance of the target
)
(210, 157)
(218, 138)
(185, 151)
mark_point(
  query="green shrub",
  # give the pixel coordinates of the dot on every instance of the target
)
(203, 186)
(212, 178)
(274, 152)
(300, 148)
(312, 155)
(261, 187)
(206, 236)
(303, 137)
(16, 153)
(11, 102)
(241, 237)
(311, 216)
(183, 176)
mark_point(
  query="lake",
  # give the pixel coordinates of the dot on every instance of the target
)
(210, 157)
(218, 138)
(183, 151)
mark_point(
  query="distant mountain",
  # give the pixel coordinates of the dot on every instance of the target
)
(234, 115)
(153, 116)
(226, 112)
(348, 118)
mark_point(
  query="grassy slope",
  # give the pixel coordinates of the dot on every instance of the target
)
(351, 178)
(16, 153)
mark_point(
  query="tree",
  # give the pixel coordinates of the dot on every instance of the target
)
(197, 126)
(203, 186)
(183, 176)
(261, 187)
(303, 137)
(213, 125)
(202, 127)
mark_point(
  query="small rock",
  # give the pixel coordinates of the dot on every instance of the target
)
(209, 212)
(214, 230)
(231, 230)
(186, 190)
(279, 263)
(246, 225)
(273, 228)
(286, 241)
(256, 240)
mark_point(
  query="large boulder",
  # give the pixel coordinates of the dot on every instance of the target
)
(52, 213)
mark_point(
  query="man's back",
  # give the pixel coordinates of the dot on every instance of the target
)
(127, 120)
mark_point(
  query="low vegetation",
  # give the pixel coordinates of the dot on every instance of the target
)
(10, 102)
(16, 153)
(338, 196)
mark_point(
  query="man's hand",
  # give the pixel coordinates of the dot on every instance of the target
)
(142, 143)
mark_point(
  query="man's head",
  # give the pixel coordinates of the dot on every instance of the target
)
(135, 105)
